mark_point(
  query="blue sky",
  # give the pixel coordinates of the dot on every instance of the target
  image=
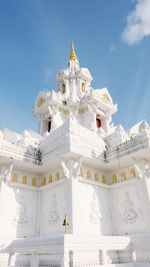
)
(111, 38)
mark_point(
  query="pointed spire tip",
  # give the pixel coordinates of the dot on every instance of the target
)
(73, 55)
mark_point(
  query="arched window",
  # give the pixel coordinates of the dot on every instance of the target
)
(49, 125)
(34, 181)
(132, 173)
(15, 178)
(43, 181)
(81, 172)
(98, 121)
(104, 179)
(114, 179)
(88, 174)
(83, 87)
(123, 176)
(50, 179)
(96, 177)
(63, 88)
(57, 176)
(24, 179)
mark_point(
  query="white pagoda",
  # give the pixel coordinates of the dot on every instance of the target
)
(76, 194)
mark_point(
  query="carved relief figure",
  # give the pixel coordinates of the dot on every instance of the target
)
(6, 173)
(95, 214)
(129, 215)
(20, 217)
(71, 168)
(53, 215)
(138, 171)
(144, 165)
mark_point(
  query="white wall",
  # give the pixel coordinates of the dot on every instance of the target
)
(91, 209)
(130, 208)
(55, 202)
(17, 211)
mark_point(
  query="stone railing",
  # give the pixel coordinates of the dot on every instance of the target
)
(26, 154)
(134, 144)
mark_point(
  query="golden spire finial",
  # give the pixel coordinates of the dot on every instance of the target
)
(73, 55)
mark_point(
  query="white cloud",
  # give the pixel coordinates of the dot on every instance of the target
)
(138, 23)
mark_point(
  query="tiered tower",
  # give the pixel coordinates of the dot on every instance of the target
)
(76, 193)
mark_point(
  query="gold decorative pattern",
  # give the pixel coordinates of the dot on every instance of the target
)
(24, 179)
(81, 111)
(43, 181)
(105, 98)
(66, 112)
(114, 179)
(73, 55)
(33, 181)
(96, 177)
(132, 173)
(40, 102)
(123, 176)
(83, 87)
(57, 176)
(15, 178)
(50, 179)
(81, 172)
(104, 179)
(88, 174)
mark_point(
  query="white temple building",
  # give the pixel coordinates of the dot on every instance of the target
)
(77, 193)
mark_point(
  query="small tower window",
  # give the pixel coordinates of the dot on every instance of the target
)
(98, 122)
(83, 87)
(49, 125)
(63, 88)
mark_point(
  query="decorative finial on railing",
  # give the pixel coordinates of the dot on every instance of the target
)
(65, 223)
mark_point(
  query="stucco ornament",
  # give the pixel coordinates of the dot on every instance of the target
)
(95, 214)
(6, 173)
(129, 214)
(53, 215)
(71, 167)
(138, 171)
(144, 164)
(20, 217)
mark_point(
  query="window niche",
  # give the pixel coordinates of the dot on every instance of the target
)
(63, 88)
(49, 125)
(98, 121)
(83, 87)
